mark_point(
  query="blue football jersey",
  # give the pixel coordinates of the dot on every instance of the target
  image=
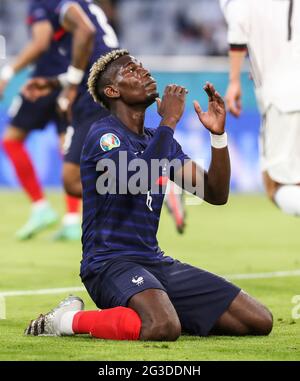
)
(53, 11)
(118, 224)
(55, 60)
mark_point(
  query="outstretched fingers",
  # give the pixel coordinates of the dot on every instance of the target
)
(181, 90)
(197, 108)
(210, 90)
(212, 93)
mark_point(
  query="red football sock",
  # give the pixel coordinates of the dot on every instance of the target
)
(119, 323)
(24, 168)
(72, 204)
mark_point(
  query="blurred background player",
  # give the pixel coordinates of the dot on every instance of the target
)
(270, 31)
(76, 30)
(63, 14)
(86, 35)
(27, 116)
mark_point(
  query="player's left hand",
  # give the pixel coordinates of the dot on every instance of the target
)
(214, 118)
(65, 101)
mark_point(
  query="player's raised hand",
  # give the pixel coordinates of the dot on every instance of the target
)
(214, 118)
(38, 87)
(233, 98)
(171, 107)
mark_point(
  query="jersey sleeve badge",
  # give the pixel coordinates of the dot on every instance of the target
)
(109, 141)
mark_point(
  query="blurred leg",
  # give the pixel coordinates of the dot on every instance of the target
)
(286, 197)
(42, 214)
(13, 143)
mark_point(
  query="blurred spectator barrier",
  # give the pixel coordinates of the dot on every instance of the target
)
(243, 133)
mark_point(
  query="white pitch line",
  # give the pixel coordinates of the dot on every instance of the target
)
(47, 291)
(276, 274)
(52, 291)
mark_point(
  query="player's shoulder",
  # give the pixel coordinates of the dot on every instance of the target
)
(36, 7)
(106, 124)
(44, 5)
(107, 131)
(59, 4)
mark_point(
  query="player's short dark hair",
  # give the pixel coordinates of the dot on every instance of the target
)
(97, 74)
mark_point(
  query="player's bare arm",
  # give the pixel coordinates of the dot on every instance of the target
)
(41, 38)
(75, 21)
(217, 178)
(234, 90)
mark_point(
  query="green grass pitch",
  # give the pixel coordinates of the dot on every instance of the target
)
(248, 235)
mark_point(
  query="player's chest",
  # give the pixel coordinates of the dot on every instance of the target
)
(137, 147)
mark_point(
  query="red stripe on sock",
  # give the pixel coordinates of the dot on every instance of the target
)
(72, 204)
(25, 172)
(119, 323)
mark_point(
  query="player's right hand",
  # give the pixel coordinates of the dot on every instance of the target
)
(65, 101)
(38, 87)
(233, 98)
(171, 107)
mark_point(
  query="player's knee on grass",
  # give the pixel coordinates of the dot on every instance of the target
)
(254, 316)
(263, 322)
(264, 325)
(165, 328)
(160, 321)
(245, 316)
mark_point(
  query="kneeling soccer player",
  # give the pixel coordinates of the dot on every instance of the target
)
(144, 294)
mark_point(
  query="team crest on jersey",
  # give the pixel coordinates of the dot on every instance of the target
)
(109, 141)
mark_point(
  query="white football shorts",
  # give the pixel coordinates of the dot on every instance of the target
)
(280, 145)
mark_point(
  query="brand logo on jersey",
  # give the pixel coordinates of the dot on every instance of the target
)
(149, 201)
(138, 280)
(109, 141)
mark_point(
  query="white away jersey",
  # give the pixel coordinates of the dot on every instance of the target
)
(271, 30)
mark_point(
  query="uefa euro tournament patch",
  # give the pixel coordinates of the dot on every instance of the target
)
(109, 141)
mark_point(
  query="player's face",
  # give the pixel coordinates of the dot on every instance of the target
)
(134, 82)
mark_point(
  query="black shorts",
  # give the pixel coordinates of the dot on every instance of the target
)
(85, 113)
(198, 296)
(29, 116)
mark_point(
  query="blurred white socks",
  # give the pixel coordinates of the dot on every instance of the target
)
(287, 199)
(40, 205)
(71, 219)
